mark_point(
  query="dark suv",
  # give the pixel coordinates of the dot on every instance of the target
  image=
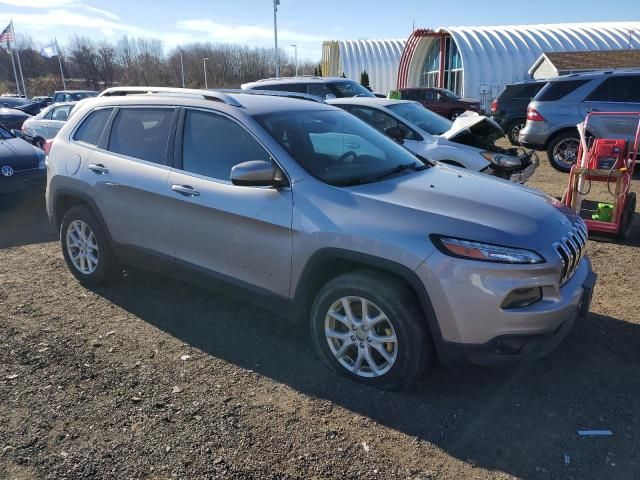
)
(441, 100)
(509, 110)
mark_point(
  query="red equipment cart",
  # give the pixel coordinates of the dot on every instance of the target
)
(605, 160)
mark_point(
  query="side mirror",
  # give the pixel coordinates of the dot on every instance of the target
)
(255, 173)
(396, 133)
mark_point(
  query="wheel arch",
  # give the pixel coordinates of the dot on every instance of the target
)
(66, 198)
(557, 133)
(329, 263)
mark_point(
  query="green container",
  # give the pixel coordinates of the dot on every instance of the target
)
(603, 213)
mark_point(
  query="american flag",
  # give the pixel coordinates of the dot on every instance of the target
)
(6, 36)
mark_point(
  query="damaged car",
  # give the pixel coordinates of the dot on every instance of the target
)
(467, 142)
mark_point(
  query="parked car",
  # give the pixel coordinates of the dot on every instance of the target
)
(390, 260)
(21, 164)
(29, 106)
(44, 99)
(441, 100)
(509, 109)
(11, 118)
(564, 102)
(73, 95)
(468, 142)
(47, 123)
(323, 87)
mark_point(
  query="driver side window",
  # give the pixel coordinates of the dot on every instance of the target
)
(381, 120)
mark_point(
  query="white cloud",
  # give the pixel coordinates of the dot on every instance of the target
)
(221, 32)
(38, 3)
(99, 11)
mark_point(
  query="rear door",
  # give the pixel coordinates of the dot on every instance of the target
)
(620, 93)
(129, 174)
(233, 233)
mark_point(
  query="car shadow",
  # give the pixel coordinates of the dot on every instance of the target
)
(23, 219)
(521, 420)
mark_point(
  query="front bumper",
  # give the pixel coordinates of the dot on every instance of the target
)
(524, 175)
(23, 180)
(467, 298)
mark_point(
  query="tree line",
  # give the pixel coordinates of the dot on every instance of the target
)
(91, 64)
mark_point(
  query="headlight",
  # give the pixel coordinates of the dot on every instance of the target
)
(485, 252)
(502, 160)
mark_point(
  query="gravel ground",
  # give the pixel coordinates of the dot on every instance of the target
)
(154, 379)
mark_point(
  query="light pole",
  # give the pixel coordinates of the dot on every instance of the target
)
(295, 49)
(275, 34)
(182, 68)
(204, 66)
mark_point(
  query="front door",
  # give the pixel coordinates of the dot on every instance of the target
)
(240, 234)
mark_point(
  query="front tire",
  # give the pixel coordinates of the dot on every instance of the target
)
(563, 151)
(455, 114)
(85, 247)
(368, 327)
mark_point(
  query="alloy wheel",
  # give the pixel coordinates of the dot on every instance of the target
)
(361, 337)
(566, 151)
(82, 247)
(515, 131)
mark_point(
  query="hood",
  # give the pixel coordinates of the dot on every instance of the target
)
(19, 155)
(478, 125)
(470, 205)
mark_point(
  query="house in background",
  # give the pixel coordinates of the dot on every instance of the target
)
(554, 64)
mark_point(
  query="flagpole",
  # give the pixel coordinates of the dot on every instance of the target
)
(24, 89)
(13, 64)
(64, 85)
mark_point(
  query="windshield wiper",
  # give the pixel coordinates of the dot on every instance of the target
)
(401, 168)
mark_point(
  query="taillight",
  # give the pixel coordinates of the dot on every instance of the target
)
(534, 116)
(494, 105)
(47, 146)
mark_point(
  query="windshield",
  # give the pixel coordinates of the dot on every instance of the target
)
(336, 147)
(350, 89)
(80, 96)
(421, 117)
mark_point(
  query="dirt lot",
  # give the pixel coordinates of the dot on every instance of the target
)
(153, 379)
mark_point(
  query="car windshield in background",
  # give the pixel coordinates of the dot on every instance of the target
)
(451, 94)
(83, 95)
(421, 117)
(350, 89)
(557, 90)
(337, 148)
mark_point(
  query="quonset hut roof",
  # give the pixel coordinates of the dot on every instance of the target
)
(499, 55)
(380, 59)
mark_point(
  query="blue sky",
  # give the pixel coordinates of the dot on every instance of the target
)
(303, 22)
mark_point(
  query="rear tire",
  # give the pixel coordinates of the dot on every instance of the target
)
(85, 248)
(39, 143)
(356, 348)
(627, 217)
(563, 151)
(513, 130)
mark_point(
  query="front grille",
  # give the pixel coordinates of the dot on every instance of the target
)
(570, 249)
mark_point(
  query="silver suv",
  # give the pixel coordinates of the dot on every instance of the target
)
(322, 87)
(305, 209)
(564, 102)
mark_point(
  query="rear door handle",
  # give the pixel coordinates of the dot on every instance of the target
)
(98, 168)
(186, 190)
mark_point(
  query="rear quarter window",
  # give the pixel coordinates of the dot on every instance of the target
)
(527, 92)
(560, 89)
(92, 126)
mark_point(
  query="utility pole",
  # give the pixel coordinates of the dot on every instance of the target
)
(182, 68)
(295, 49)
(204, 64)
(275, 34)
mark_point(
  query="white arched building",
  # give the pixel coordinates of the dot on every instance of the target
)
(379, 58)
(479, 61)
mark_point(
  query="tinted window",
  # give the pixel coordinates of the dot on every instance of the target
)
(557, 90)
(349, 89)
(319, 90)
(213, 144)
(336, 147)
(425, 119)
(618, 89)
(283, 87)
(142, 133)
(410, 94)
(381, 120)
(91, 129)
(527, 92)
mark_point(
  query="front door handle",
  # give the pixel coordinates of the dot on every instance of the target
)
(186, 190)
(98, 168)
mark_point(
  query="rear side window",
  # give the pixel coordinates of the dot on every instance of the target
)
(92, 127)
(142, 133)
(618, 89)
(410, 95)
(284, 87)
(557, 90)
(527, 92)
(212, 144)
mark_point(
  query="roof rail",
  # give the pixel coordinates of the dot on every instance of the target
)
(206, 94)
(274, 93)
(290, 78)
